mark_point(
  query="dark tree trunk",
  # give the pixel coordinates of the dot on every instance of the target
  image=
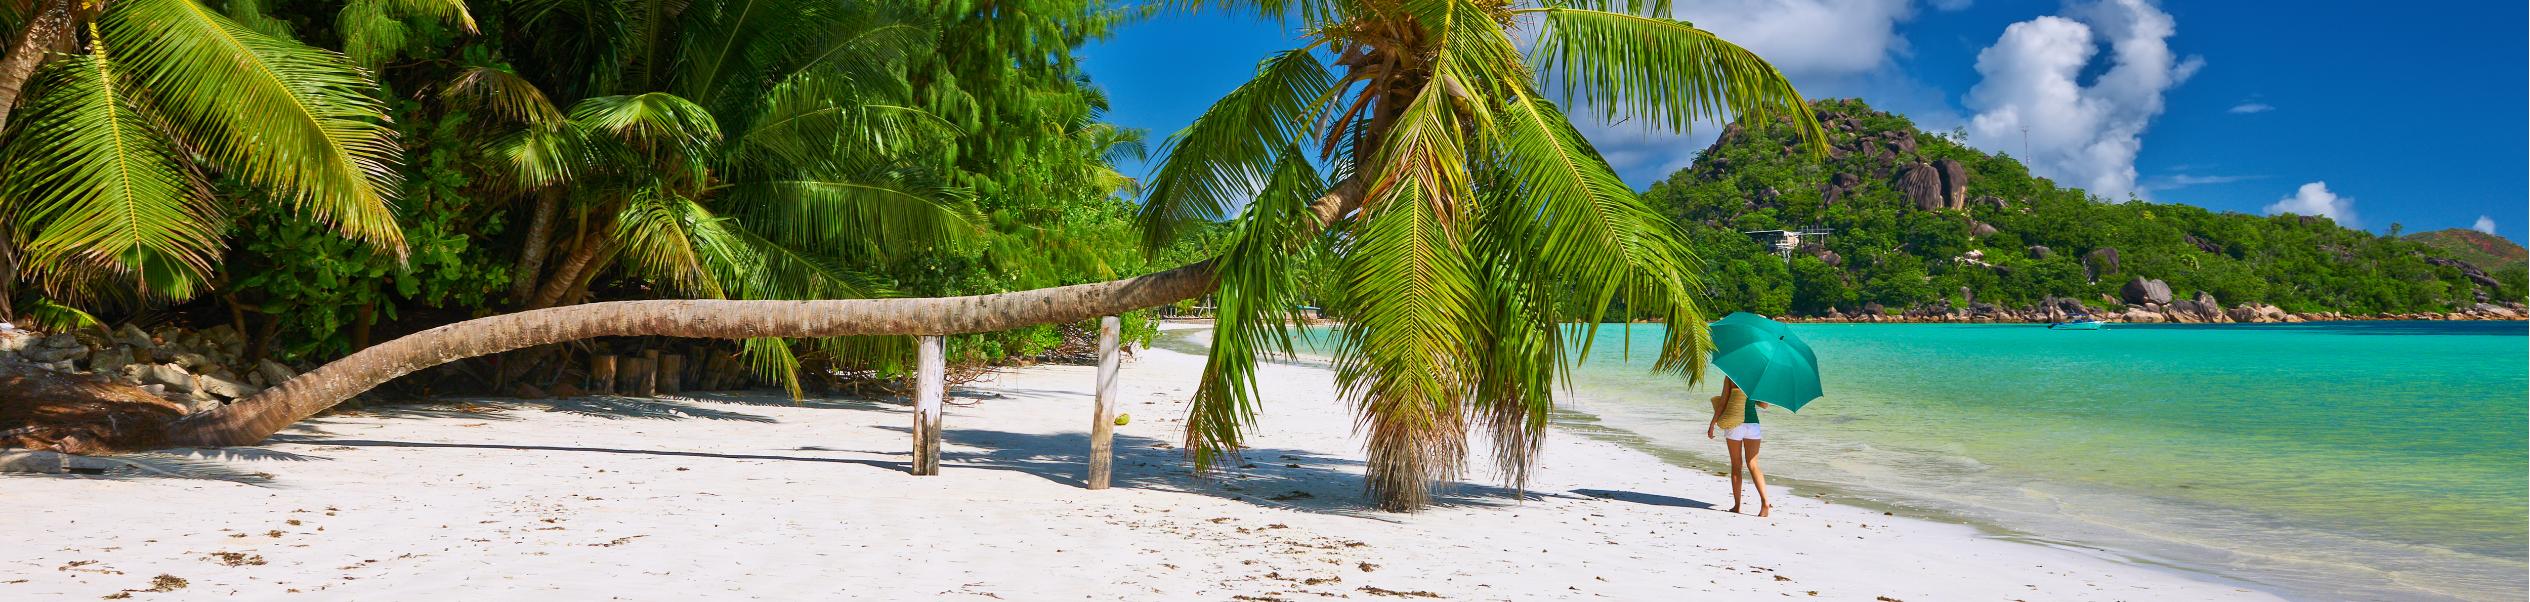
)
(531, 253)
(566, 278)
(45, 30)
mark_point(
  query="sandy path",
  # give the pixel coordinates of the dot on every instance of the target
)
(747, 496)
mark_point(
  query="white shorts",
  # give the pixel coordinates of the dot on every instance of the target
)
(1743, 431)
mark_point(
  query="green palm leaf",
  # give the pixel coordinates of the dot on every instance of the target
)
(1218, 162)
(1665, 70)
(657, 123)
(848, 215)
(658, 230)
(1259, 288)
(503, 94)
(103, 193)
(294, 119)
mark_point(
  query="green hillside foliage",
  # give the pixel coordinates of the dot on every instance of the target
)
(1887, 251)
(2486, 251)
(2500, 257)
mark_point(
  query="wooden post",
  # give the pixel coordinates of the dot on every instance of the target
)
(672, 374)
(602, 375)
(1102, 426)
(931, 382)
(633, 379)
(709, 379)
(646, 382)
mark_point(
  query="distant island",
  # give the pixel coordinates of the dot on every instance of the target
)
(1923, 228)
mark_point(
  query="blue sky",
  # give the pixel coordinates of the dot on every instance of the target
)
(2411, 112)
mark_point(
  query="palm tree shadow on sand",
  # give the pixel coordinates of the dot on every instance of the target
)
(1293, 479)
(229, 464)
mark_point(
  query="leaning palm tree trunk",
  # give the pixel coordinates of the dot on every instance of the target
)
(50, 23)
(250, 420)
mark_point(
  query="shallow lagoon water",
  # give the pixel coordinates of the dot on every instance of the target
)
(2359, 460)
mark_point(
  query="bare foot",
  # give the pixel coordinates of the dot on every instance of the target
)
(1762, 511)
(1734, 509)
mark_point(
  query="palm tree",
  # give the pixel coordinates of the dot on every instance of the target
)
(1463, 210)
(1482, 214)
(723, 149)
(130, 109)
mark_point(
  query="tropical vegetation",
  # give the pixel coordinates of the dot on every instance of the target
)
(386, 186)
(2018, 240)
(550, 157)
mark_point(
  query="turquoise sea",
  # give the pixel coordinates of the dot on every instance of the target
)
(2358, 460)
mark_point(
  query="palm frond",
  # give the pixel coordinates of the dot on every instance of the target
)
(658, 231)
(104, 195)
(294, 119)
(654, 122)
(540, 157)
(1256, 296)
(502, 94)
(446, 11)
(1663, 70)
(849, 215)
(772, 360)
(50, 315)
(1403, 360)
(1226, 155)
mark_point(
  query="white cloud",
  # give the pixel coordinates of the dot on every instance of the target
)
(2315, 199)
(1829, 48)
(2082, 135)
(2178, 181)
(2484, 224)
(1808, 37)
(2249, 108)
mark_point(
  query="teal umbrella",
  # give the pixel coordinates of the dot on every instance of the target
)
(1766, 359)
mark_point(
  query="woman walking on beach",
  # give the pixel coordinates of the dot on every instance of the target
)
(1735, 416)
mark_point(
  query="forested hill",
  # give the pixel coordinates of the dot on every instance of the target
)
(1920, 220)
(2483, 250)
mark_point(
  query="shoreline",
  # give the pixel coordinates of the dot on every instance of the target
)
(2136, 541)
(727, 495)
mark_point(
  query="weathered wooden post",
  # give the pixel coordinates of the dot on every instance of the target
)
(1102, 426)
(648, 385)
(602, 375)
(632, 378)
(931, 376)
(672, 374)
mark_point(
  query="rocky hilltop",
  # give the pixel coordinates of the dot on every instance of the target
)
(1920, 227)
(2485, 251)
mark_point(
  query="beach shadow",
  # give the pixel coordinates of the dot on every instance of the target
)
(146, 466)
(1649, 499)
(1281, 478)
(898, 466)
(1022, 394)
(780, 399)
(617, 408)
(238, 454)
(468, 410)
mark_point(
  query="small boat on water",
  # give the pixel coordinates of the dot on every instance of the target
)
(2078, 323)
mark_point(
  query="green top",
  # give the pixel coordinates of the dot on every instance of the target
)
(1751, 417)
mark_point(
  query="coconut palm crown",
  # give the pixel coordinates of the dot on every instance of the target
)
(1472, 224)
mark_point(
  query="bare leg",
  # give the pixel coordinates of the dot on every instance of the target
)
(1755, 474)
(1733, 445)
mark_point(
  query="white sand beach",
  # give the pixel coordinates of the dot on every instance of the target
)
(751, 497)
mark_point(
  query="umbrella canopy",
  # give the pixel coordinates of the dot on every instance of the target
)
(1766, 360)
